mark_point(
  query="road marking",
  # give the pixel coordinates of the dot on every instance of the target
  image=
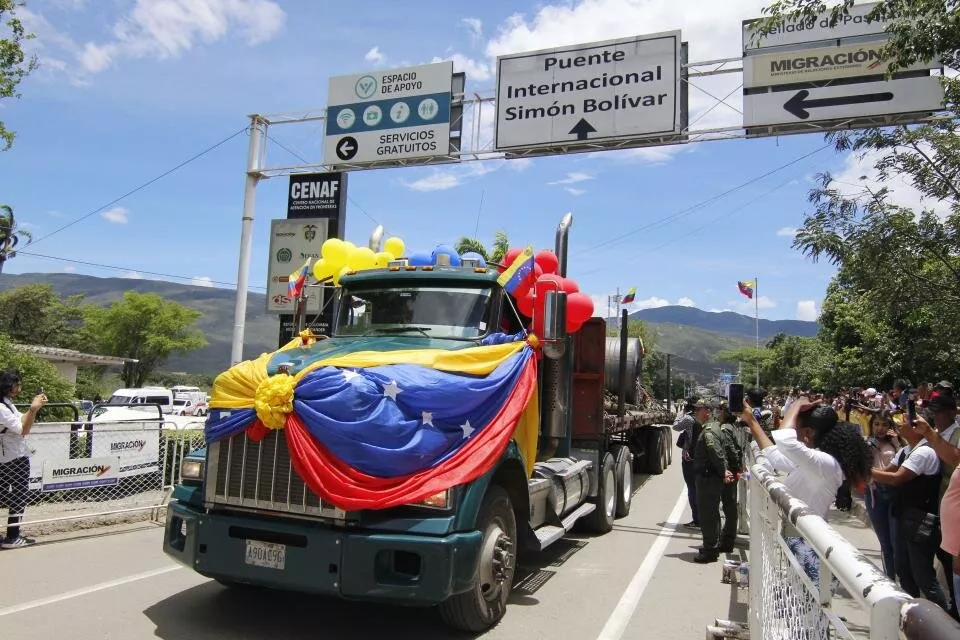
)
(67, 595)
(623, 612)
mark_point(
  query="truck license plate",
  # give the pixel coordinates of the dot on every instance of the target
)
(266, 554)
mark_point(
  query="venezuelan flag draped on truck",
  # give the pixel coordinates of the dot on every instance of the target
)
(375, 429)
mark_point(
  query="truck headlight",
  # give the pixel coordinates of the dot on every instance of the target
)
(437, 501)
(191, 470)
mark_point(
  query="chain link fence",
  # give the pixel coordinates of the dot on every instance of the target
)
(97, 472)
(786, 604)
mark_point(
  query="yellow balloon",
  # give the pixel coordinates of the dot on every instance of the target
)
(334, 252)
(383, 259)
(322, 270)
(394, 246)
(362, 258)
(343, 271)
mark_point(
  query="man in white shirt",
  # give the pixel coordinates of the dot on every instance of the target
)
(15, 456)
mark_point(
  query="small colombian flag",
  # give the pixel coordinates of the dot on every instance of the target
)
(746, 287)
(631, 294)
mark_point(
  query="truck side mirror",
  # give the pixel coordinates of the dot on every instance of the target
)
(554, 324)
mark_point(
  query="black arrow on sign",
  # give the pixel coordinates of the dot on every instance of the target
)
(798, 104)
(582, 128)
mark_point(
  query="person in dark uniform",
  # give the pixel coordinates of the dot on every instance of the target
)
(712, 471)
(689, 429)
(730, 437)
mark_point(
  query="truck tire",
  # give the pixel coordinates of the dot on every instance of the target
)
(601, 519)
(623, 469)
(655, 451)
(485, 604)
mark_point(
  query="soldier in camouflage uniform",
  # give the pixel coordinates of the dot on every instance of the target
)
(712, 468)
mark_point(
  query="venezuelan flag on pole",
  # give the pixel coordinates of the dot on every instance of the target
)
(518, 271)
(372, 430)
(631, 294)
(297, 279)
(746, 287)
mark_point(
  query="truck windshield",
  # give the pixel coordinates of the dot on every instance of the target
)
(437, 312)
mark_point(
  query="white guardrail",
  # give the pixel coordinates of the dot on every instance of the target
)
(98, 471)
(786, 605)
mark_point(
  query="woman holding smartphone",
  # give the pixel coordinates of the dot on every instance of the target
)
(884, 441)
(15, 456)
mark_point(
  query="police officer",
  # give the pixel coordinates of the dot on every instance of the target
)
(712, 468)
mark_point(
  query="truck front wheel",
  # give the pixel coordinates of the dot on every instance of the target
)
(485, 604)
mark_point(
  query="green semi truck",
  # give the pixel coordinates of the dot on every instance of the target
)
(243, 516)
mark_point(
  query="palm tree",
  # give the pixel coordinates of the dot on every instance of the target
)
(10, 235)
(501, 244)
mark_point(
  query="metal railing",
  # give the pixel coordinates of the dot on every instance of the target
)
(786, 604)
(86, 474)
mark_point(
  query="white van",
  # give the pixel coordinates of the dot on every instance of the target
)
(144, 395)
(189, 401)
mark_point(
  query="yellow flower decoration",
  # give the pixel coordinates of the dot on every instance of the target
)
(274, 400)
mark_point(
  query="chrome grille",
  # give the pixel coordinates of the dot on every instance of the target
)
(259, 475)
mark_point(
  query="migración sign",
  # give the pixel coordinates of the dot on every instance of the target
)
(570, 96)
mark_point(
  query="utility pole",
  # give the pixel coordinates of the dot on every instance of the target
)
(669, 390)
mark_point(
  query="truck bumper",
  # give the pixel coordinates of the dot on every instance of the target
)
(360, 565)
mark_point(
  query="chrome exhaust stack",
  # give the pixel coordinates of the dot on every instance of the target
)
(376, 239)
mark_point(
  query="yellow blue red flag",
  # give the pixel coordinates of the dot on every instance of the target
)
(746, 287)
(517, 272)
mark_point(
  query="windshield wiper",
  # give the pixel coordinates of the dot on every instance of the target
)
(422, 330)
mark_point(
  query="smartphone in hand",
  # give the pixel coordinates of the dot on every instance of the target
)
(911, 411)
(735, 398)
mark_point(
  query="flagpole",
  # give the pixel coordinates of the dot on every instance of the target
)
(756, 315)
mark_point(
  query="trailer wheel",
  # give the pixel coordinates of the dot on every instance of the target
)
(623, 468)
(655, 453)
(601, 519)
(485, 604)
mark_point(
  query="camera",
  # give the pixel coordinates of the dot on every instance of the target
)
(735, 397)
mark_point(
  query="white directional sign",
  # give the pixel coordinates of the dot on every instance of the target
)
(619, 89)
(814, 29)
(861, 99)
(389, 115)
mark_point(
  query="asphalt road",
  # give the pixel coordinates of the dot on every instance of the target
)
(636, 582)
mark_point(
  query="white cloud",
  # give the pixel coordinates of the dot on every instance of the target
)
(168, 28)
(787, 232)
(652, 302)
(69, 269)
(747, 306)
(475, 69)
(807, 310)
(116, 215)
(686, 302)
(474, 27)
(437, 181)
(520, 164)
(573, 178)
(575, 192)
(858, 175)
(133, 275)
(374, 56)
(715, 310)
(201, 281)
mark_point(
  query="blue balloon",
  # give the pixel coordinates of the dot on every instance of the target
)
(473, 255)
(442, 249)
(420, 259)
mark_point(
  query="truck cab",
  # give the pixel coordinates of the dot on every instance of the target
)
(243, 515)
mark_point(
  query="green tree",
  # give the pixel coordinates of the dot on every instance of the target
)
(750, 358)
(145, 327)
(36, 374)
(799, 362)
(14, 65)
(501, 244)
(892, 310)
(10, 232)
(35, 314)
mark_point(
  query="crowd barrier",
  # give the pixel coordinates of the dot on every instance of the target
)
(88, 470)
(784, 602)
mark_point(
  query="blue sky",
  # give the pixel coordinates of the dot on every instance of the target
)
(130, 88)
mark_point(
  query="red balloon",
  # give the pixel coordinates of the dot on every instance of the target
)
(525, 304)
(579, 307)
(570, 286)
(508, 258)
(547, 261)
(573, 326)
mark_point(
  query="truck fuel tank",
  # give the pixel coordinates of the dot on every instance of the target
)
(569, 483)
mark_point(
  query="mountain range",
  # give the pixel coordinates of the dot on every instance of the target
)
(692, 335)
